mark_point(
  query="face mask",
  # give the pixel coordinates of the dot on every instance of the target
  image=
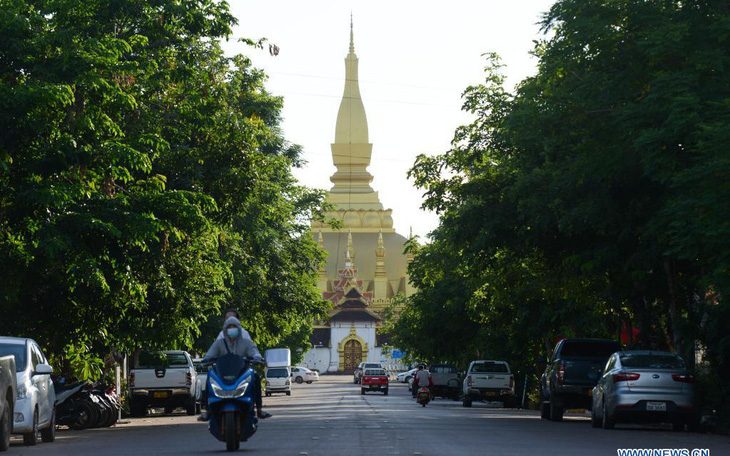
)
(232, 332)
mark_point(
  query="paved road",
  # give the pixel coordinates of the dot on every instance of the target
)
(332, 418)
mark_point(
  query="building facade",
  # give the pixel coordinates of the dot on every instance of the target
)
(366, 266)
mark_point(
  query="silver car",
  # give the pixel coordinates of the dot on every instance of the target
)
(34, 409)
(645, 386)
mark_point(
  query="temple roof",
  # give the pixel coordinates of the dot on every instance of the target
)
(354, 315)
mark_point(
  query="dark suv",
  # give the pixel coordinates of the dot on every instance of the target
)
(571, 374)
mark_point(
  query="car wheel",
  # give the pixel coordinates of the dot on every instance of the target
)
(268, 394)
(556, 411)
(385, 393)
(595, 422)
(191, 407)
(309, 382)
(48, 434)
(362, 391)
(6, 427)
(30, 438)
(544, 411)
(607, 422)
(466, 402)
(288, 393)
(299, 380)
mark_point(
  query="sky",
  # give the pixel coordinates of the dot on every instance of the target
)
(415, 60)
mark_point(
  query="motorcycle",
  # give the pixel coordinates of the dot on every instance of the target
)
(230, 388)
(423, 396)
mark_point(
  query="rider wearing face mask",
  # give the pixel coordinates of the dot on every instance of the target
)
(233, 342)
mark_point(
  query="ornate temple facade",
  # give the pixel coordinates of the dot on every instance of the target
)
(366, 266)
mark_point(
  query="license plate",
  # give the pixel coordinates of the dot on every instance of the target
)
(158, 394)
(376, 386)
(656, 407)
(490, 393)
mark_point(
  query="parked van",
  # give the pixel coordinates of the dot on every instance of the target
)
(278, 371)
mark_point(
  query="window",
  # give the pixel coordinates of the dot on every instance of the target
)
(152, 360)
(18, 352)
(36, 356)
(589, 348)
(481, 368)
(442, 370)
(277, 372)
(370, 372)
(652, 361)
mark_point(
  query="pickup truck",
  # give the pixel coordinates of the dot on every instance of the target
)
(572, 372)
(488, 380)
(8, 392)
(374, 379)
(163, 379)
(446, 382)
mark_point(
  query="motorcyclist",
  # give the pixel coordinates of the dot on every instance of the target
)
(421, 379)
(233, 342)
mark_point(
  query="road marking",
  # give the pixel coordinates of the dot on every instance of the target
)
(315, 438)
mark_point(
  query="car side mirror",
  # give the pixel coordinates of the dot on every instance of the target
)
(43, 369)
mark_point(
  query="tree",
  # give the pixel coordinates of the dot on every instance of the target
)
(144, 180)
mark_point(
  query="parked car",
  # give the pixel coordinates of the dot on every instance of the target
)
(302, 374)
(645, 386)
(403, 377)
(201, 374)
(573, 371)
(163, 379)
(8, 392)
(374, 379)
(34, 408)
(278, 380)
(357, 375)
(488, 380)
(445, 381)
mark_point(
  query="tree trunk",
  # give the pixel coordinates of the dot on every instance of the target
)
(674, 319)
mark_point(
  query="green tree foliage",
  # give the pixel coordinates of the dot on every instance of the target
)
(144, 181)
(594, 197)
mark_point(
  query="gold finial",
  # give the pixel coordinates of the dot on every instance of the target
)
(352, 36)
(380, 239)
(350, 250)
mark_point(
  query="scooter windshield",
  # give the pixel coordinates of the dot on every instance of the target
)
(229, 367)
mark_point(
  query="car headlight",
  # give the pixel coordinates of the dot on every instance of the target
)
(239, 391)
(22, 391)
(288, 382)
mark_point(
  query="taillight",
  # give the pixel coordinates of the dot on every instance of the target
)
(561, 372)
(188, 378)
(511, 381)
(131, 380)
(625, 377)
(468, 380)
(683, 378)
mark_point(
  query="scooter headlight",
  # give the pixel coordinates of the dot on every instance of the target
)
(239, 391)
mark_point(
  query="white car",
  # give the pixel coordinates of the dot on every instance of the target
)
(34, 409)
(301, 374)
(403, 377)
(201, 372)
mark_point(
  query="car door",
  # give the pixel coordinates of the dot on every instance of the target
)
(42, 383)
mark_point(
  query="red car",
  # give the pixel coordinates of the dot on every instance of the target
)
(374, 380)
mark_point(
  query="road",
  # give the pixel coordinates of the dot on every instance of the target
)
(332, 418)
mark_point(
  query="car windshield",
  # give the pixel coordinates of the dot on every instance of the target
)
(489, 367)
(280, 372)
(151, 360)
(589, 348)
(375, 372)
(442, 369)
(18, 352)
(652, 361)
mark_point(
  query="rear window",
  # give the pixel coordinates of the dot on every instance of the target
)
(442, 369)
(151, 360)
(371, 365)
(375, 372)
(277, 372)
(18, 352)
(589, 349)
(490, 367)
(651, 361)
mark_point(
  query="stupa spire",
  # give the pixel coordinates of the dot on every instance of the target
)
(352, 37)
